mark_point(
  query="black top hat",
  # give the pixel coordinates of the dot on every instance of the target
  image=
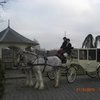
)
(68, 39)
(64, 38)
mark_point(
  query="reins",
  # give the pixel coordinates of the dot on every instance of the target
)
(36, 59)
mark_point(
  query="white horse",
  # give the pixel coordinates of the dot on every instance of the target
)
(32, 62)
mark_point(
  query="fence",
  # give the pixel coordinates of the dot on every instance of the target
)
(8, 58)
(2, 78)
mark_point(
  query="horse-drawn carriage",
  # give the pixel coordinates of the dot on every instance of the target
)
(87, 59)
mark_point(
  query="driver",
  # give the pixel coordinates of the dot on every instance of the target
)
(65, 48)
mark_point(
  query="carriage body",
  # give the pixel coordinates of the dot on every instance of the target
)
(87, 59)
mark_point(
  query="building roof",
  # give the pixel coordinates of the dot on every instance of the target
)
(9, 36)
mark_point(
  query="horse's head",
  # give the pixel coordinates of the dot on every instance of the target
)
(20, 57)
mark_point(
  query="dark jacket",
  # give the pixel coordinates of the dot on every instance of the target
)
(68, 48)
(63, 46)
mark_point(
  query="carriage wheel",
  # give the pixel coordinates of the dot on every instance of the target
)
(98, 72)
(92, 74)
(71, 75)
(51, 75)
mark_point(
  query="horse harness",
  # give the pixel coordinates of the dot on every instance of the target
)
(31, 64)
(45, 64)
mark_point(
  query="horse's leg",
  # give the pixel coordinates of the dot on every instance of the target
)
(27, 78)
(37, 81)
(41, 83)
(30, 78)
(57, 77)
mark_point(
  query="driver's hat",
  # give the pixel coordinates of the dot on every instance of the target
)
(64, 38)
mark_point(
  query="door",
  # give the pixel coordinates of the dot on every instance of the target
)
(92, 63)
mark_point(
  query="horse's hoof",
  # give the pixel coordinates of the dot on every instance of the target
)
(36, 87)
(55, 86)
(41, 88)
(26, 85)
(30, 85)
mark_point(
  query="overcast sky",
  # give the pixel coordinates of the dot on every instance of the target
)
(48, 20)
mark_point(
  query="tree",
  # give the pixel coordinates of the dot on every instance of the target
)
(90, 42)
(2, 2)
(2, 71)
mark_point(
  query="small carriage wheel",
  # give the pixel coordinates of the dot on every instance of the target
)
(71, 74)
(92, 74)
(98, 72)
(51, 75)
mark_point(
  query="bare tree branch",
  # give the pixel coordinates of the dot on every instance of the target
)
(2, 3)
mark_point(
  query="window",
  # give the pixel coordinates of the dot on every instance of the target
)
(92, 55)
(82, 54)
(98, 55)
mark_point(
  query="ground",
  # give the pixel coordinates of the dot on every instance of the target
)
(84, 88)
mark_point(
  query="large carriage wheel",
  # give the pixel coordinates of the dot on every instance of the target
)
(51, 75)
(71, 74)
(98, 72)
(92, 74)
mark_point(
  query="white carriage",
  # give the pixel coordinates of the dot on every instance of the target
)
(87, 59)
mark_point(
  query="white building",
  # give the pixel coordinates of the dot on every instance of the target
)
(9, 38)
